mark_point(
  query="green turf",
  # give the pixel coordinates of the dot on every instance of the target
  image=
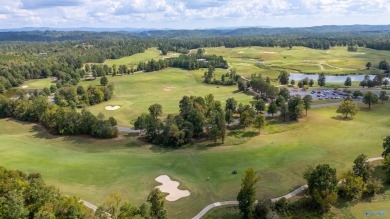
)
(359, 210)
(134, 60)
(135, 93)
(92, 169)
(334, 61)
(37, 83)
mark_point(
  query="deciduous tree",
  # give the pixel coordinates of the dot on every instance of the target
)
(322, 185)
(347, 107)
(370, 99)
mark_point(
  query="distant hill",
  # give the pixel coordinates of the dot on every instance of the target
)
(87, 33)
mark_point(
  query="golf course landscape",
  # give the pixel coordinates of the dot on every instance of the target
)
(91, 169)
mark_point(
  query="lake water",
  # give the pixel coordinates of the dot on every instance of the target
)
(329, 78)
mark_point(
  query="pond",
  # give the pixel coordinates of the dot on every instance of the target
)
(329, 78)
(15, 92)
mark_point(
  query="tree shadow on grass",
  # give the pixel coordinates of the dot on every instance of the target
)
(250, 134)
(341, 118)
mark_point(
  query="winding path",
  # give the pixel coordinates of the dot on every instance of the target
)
(287, 196)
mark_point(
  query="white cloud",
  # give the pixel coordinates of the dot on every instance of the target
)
(190, 13)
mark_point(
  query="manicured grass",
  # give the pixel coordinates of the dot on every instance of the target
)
(91, 169)
(135, 93)
(38, 83)
(134, 60)
(334, 61)
(372, 208)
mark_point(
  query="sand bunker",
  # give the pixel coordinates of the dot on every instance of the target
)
(170, 187)
(25, 86)
(241, 52)
(268, 52)
(112, 107)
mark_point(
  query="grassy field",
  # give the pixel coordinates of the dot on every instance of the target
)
(372, 209)
(135, 93)
(334, 61)
(91, 169)
(132, 61)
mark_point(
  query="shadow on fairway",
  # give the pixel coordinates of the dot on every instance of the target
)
(341, 118)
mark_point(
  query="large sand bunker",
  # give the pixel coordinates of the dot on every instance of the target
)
(112, 107)
(170, 187)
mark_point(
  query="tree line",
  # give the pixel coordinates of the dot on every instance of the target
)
(189, 62)
(58, 120)
(28, 196)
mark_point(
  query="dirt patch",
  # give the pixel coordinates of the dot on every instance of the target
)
(110, 108)
(170, 187)
(168, 88)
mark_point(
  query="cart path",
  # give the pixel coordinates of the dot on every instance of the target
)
(287, 196)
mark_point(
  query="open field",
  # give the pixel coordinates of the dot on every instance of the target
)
(299, 59)
(135, 93)
(149, 54)
(91, 169)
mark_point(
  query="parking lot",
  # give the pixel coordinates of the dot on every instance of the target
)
(321, 94)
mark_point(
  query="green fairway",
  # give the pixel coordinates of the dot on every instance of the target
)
(301, 59)
(374, 209)
(135, 93)
(134, 60)
(38, 83)
(91, 169)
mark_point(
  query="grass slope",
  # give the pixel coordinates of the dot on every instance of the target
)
(91, 169)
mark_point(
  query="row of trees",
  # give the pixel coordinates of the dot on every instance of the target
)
(323, 190)
(99, 70)
(367, 82)
(230, 78)
(283, 79)
(189, 62)
(58, 120)
(115, 208)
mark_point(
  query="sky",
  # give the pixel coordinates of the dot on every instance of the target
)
(190, 14)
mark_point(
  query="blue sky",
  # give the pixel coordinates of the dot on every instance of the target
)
(190, 14)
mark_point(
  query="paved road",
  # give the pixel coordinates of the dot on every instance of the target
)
(128, 129)
(89, 205)
(287, 196)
